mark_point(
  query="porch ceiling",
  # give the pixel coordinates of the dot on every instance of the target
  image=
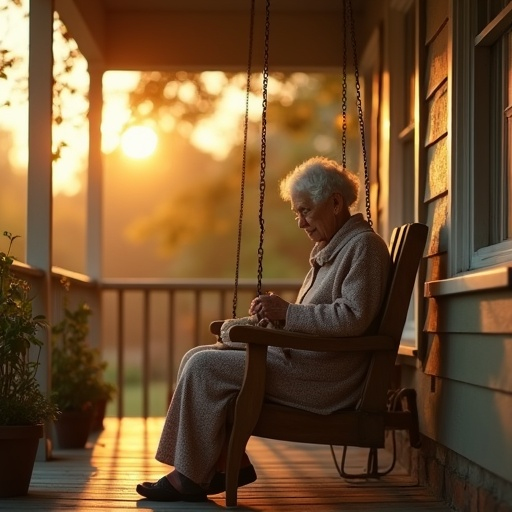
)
(205, 34)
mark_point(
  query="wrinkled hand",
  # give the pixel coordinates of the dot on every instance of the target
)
(269, 306)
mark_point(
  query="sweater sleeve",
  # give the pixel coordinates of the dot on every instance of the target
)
(347, 293)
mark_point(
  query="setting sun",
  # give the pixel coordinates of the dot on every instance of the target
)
(139, 142)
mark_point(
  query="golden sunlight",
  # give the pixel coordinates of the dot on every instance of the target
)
(139, 141)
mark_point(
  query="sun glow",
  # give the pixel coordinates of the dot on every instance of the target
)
(139, 142)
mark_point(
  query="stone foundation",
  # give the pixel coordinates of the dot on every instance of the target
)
(463, 485)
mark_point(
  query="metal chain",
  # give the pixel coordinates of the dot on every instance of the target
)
(347, 8)
(263, 145)
(360, 111)
(244, 159)
(344, 94)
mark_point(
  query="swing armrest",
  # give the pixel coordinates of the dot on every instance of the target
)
(288, 339)
(215, 327)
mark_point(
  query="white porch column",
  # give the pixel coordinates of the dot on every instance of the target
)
(95, 195)
(39, 194)
(95, 175)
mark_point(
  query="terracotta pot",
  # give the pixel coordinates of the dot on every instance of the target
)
(18, 449)
(73, 428)
(98, 416)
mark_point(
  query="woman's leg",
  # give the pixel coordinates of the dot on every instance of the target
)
(194, 432)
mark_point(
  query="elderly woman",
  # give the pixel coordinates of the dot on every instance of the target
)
(341, 296)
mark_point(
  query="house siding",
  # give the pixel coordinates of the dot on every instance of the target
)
(464, 373)
(437, 176)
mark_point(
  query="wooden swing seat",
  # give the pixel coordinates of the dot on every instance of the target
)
(366, 424)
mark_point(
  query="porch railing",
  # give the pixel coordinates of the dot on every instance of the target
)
(149, 324)
(144, 326)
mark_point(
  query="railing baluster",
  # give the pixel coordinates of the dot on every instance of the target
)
(174, 289)
(222, 298)
(170, 347)
(86, 289)
(145, 355)
(120, 354)
(197, 317)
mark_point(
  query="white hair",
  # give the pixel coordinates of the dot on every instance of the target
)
(320, 177)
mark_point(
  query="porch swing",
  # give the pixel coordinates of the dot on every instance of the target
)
(379, 409)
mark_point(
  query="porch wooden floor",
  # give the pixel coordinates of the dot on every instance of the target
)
(291, 477)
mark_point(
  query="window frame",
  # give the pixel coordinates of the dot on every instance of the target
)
(403, 201)
(489, 142)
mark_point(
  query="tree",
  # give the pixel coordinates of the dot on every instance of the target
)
(303, 119)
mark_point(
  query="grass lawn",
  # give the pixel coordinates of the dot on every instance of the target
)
(132, 395)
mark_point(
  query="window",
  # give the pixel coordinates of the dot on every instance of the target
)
(406, 136)
(406, 140)
(492, 99)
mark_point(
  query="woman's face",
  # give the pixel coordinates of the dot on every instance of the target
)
(319, 221)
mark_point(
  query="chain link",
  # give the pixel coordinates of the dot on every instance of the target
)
(244, 159)
(360, 114)
(344, 95)
(347, 13)
(263, 145)
(348, 23)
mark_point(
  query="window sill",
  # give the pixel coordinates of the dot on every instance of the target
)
(493, 279)
(407, 355)
(407, 350)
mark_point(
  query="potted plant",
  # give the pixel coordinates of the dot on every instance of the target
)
(77, 375)
(23, 406)
(104, 394)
